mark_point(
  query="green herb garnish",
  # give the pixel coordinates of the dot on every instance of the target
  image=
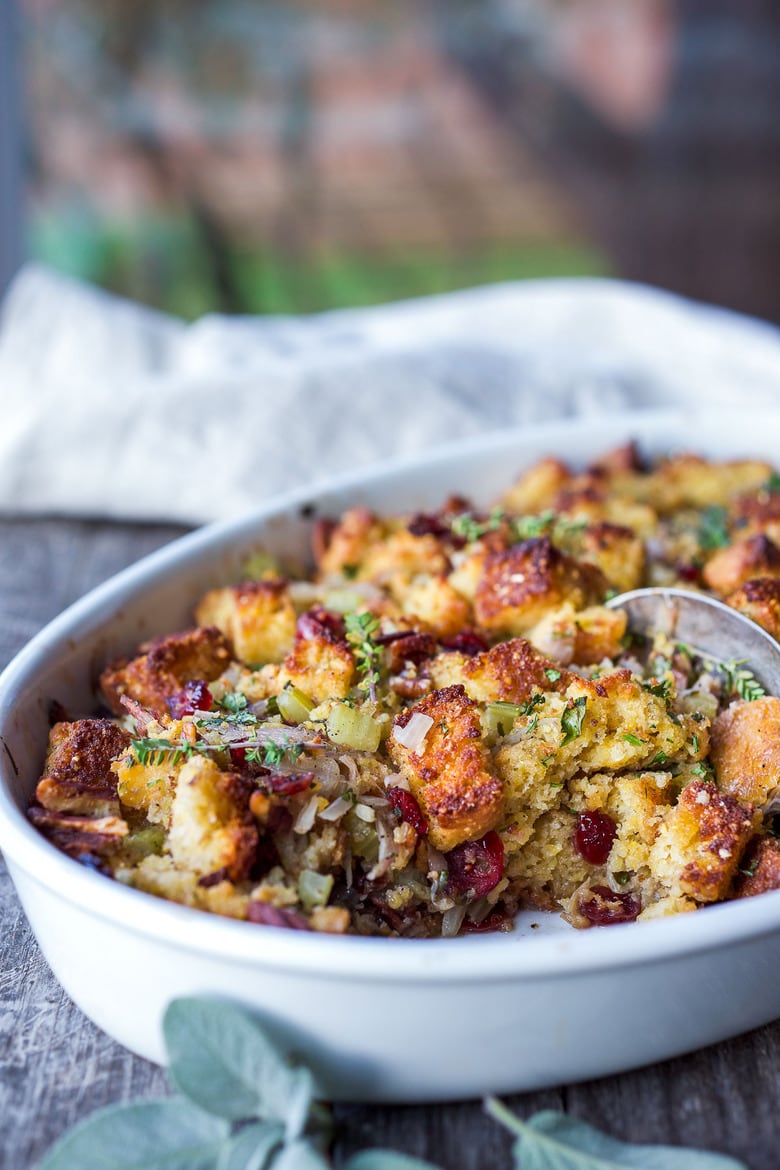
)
(361, 628)
(272, 753)
(661, 690)
(571, 720)
(469, 528)
(151, 752)
(742, 682)
(713, 530)
(634, 739)
(552, 674)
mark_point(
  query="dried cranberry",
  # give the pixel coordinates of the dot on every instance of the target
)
(688, 572)
(288, 783)
(319, 622)
(603, 907)
(476, 866)
(194, 696)
(495, 920)
(593, 836)
(267, 915)
(428, 524)
(408, 809)
(467, 642)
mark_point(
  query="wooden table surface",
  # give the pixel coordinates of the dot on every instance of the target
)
(56, 1067)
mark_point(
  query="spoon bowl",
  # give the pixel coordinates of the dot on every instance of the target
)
(711, 628)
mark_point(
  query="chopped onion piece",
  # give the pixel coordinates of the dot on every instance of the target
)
(452, 920)
(413, 735)
(305, 818)
(336, 809)
(365, 813)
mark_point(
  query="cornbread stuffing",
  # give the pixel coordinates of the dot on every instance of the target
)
(443, 724)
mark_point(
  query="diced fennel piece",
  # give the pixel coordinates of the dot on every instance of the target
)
(353, 728)
(294, 704)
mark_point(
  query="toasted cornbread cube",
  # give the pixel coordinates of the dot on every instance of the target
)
(583, 637)
(617, 551)
(450, 776)
(537, 488)
(509, 672)
(466, 575)
(746, 750)
(759, 870)
(623, 726)
(664, 907)
(77, 775)
(400, 557)
(163, 667)
(756, 556)
(700, 843)
(149, 788)
(356, 532)
(212, 829)
(759, 599)
(637, 803)
(323, 667)
(258, 617)
(548, 869)
(690, 481)
(520, 585)
(163, 878)
(436, 603)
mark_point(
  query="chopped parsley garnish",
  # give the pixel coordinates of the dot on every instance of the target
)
(546, 759)
(361, 628)
(713, 530)
(571, 720)
(660, 758)
(527, 707)
(622, 877)
(552, 674)
(773, 483)
(702, 769)
(661, 689)
(629, 737)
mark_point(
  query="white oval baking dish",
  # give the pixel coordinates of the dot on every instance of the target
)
(381, 1020)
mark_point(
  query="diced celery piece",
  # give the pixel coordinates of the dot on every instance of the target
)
(260, 564)
(363, 838)
(314, 888)
(342, 600)
(144, 842)
(353, 728)
(500, 718)
(294, 705)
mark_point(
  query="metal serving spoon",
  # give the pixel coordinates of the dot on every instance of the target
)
(710, 628)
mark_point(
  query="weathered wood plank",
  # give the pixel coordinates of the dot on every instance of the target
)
(56, 1067)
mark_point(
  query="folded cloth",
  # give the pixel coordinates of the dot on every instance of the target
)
(112, 409)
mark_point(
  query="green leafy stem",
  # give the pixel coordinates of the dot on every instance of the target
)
(244, 1106)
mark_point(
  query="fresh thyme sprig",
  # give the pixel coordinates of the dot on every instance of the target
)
(361, 628)
(742, 682)
(713, 530)
(151, 752)
(272, 753)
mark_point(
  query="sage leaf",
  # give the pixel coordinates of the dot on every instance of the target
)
(386, 1160)
(144, 1135)
(251, 1148)
(222, 1059)
(553, 1141)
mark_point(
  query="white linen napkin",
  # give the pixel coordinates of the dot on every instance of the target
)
(112, 409)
